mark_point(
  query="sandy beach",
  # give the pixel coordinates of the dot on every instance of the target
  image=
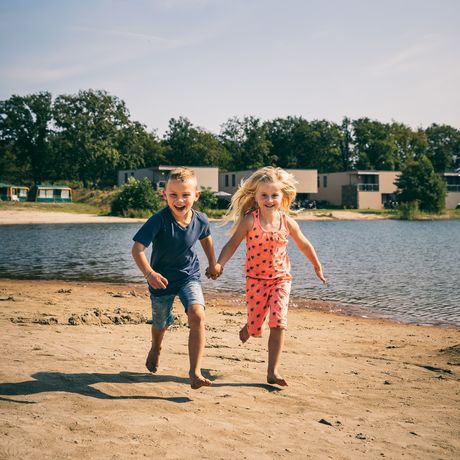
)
(27, 216)
(73, 382)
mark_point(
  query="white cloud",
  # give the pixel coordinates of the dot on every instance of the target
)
(407, 56)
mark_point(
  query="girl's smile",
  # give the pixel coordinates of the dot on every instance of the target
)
(269, 196)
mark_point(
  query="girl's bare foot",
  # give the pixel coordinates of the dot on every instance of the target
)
(244, 334)
(276, 379)
(198, 381)
(153, 359)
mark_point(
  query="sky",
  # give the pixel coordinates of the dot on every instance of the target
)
(211, 60)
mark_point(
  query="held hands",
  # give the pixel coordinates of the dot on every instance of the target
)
(319, 273)
(156, 280)
(214, 272)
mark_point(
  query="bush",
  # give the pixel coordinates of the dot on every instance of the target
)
(409, 210)
(207, 199)
(136, 199)
(419, 182)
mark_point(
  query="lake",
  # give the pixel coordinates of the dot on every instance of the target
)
(402, 270)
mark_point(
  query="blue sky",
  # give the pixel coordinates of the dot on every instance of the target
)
(210, 60)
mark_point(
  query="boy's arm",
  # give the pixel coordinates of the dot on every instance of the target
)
(208, 248)
(156, 280)
(232, 244)
(306, 247)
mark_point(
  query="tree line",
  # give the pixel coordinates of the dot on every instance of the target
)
(89, 136)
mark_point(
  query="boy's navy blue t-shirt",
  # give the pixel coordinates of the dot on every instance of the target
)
(173, 247)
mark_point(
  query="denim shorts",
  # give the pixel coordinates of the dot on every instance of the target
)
(162, 306)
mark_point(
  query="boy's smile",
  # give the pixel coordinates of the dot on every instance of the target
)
(180, 197)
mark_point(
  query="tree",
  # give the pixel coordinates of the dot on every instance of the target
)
(191, 146)
(374, 146)
(298, 143)
(248, 144)
(443, 147)
(90, 129)
(138, 148)
(346, 151)
(410, 145)
(418, 182)
(24, 132)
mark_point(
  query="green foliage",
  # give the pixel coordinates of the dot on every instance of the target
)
(298, 143)
(248, 143)
(191, 146)
(89, 136)
(443, 147)
(207, 199)
(409, 210)
(136, 199)
(215, 213)
(419, 183)
(24, 132)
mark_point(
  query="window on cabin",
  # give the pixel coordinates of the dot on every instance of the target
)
(45, 193)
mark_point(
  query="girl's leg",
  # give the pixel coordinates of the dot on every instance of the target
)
(244, 334)
(275, 348)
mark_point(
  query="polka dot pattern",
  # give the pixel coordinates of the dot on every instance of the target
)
(267, 299)
(266, 252)
(268, 278)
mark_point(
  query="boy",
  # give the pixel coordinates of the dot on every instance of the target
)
(174, 267)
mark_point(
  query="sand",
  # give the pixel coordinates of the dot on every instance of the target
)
(25, 216)
(73, 383)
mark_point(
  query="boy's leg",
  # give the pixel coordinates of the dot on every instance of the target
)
(275, 348)
(153, 358)
(191, 296)
(162, 318)
(196, 343)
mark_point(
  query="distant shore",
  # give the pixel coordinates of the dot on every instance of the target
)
(26, 216)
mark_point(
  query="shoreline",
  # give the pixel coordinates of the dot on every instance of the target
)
(27, 217)
(72, 379)
(237, 300)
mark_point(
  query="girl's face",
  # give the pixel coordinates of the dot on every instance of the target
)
(269, 196)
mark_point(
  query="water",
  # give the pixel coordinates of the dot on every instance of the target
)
(408, 271)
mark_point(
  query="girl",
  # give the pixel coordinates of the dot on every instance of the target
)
(258, 210)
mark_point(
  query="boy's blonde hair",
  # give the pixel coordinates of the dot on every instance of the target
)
(244, 202)
(181, 174)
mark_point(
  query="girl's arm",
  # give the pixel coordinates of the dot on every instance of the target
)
(232, 244)
(306, 247)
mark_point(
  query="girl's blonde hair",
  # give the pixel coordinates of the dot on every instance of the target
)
(244, 200)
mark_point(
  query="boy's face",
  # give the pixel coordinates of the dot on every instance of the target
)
(180, 197)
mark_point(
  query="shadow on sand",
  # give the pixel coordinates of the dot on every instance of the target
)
(82, 384)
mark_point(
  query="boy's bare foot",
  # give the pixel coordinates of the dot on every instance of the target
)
(198, 381)
(244, 334)
(276, 380)
(153, 359)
